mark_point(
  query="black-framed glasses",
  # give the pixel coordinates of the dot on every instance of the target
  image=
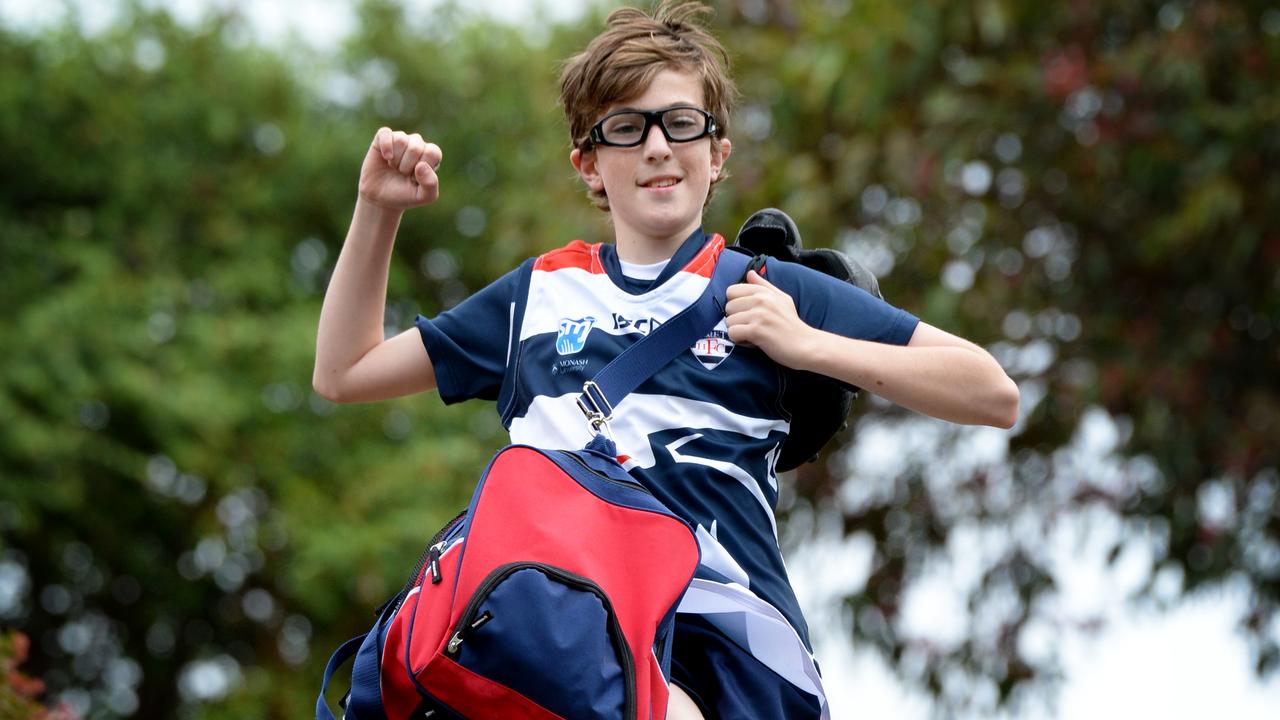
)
(629, 128)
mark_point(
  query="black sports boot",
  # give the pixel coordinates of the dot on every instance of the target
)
(771, 232)
(819, 406)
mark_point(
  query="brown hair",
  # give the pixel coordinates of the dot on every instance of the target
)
(634, 47)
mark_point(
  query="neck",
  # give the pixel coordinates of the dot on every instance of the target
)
(646, 250)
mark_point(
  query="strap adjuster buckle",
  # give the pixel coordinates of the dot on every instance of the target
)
(593, 404)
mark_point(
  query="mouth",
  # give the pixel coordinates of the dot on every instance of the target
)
(660, 182)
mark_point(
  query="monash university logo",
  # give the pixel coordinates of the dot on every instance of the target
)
(713, 349)
(573, 334)
(569, 366)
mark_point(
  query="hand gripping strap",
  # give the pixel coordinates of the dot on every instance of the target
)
(648, 355)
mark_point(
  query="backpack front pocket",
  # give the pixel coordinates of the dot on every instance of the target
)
(551, 636)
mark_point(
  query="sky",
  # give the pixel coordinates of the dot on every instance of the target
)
(320, 22)
(1189, 662)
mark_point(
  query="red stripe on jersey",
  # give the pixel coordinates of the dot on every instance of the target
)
(704, 263)
(577, 254)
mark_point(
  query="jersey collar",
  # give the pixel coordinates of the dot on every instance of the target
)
(688, 249)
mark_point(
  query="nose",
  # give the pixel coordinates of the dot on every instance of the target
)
(656, 146)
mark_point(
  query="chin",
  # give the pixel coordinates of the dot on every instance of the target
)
(669, 228)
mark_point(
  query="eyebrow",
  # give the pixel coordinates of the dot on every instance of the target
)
(672, 106)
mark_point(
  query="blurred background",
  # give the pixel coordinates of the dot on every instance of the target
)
(1090, 190)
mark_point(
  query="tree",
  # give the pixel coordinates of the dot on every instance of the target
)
(1089, 192)
(188, 518)
(183, 524)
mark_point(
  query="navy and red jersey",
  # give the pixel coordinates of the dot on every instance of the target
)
(702, 434)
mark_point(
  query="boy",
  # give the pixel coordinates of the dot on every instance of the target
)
(648, 107)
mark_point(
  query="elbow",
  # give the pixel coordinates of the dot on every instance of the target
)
(327, 388)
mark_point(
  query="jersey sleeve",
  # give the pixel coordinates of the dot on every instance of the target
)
(839, 307)
(469, 344)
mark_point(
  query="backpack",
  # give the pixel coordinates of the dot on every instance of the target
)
(819, 405)
(554, 594)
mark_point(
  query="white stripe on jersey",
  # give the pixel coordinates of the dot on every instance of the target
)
(552, 422)
(556, 422)
(576, 293)
(728, 468)
(511, 320)
(716, 557)
(759, 628)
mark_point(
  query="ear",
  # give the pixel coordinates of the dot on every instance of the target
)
(720, 150)
(585, 164)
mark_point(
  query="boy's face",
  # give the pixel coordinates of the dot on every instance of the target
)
(656, 190)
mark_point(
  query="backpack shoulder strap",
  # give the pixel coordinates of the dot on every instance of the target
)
(648, 355)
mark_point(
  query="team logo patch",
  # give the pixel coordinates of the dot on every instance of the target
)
(713, 349)
(572, 336)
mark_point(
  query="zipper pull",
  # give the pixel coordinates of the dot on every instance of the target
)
(433, 556)
(455, 642)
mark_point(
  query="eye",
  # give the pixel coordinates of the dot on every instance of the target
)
(684, 122)
(624, 125)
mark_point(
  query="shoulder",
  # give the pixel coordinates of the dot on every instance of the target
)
(576, 254)
(794, 278)
(832, 304)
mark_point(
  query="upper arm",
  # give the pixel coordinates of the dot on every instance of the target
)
(835, 306)
(926, 335)
(395, 367)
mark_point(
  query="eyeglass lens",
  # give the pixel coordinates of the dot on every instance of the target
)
(629, 128)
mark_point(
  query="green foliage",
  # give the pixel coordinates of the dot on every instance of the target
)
(168, 470)
(1092, 187)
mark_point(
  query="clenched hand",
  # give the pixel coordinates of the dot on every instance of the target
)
(399, 171)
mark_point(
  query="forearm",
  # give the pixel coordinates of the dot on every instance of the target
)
(962, 384)
(355, 301)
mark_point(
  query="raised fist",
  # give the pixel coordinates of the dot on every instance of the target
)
(399, 171)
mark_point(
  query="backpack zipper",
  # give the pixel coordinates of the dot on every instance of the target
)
(455, 642)
(431, 555)
(632, 484)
